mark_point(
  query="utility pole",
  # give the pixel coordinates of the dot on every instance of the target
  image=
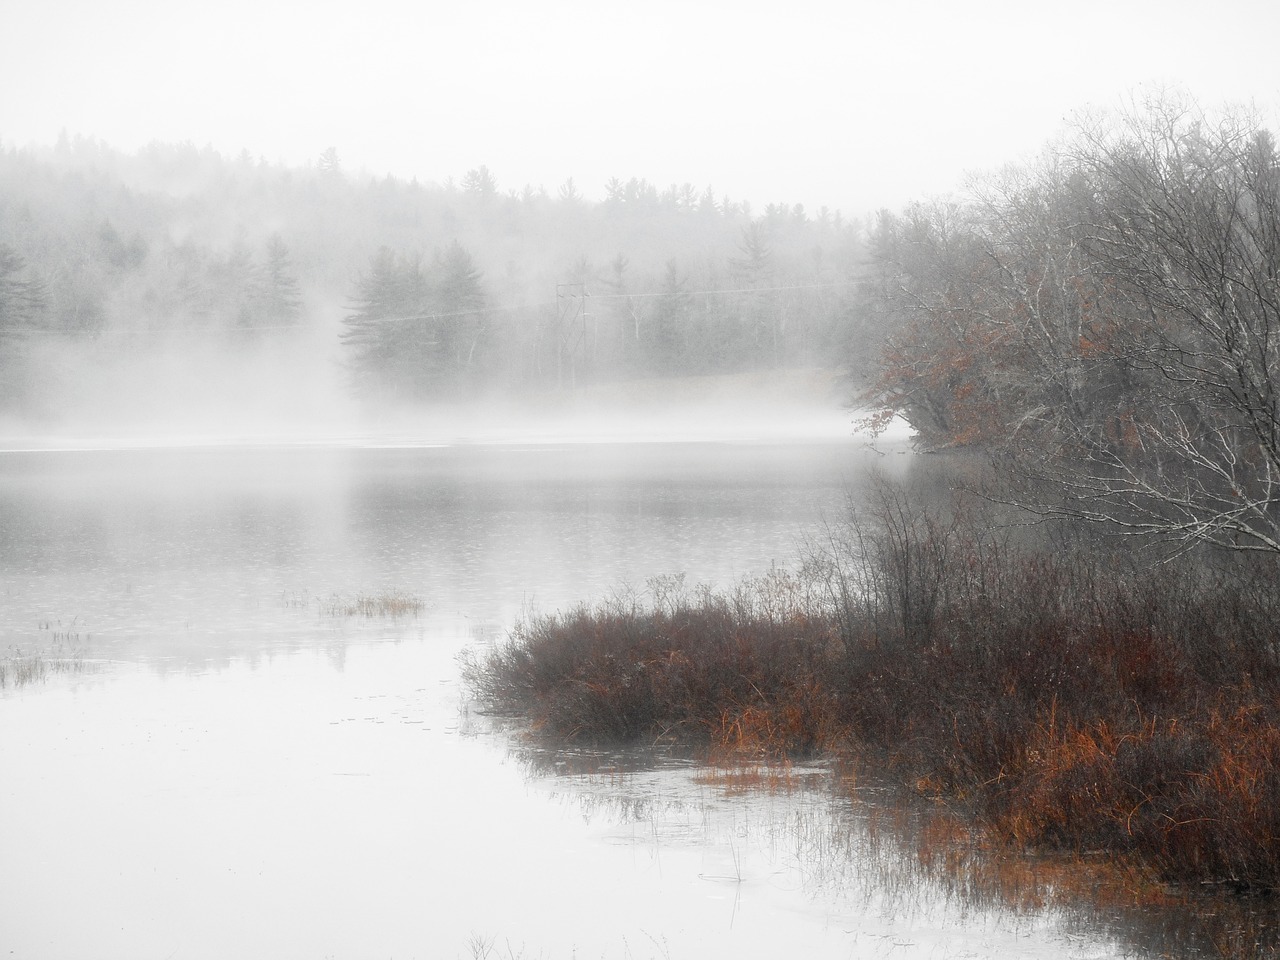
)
(571, 304)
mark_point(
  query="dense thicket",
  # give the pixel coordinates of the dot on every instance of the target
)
(1108, 320)
(423, 290)
(1071, 702)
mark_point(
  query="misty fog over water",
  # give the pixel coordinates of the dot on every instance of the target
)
(284, 445)
(169, 412)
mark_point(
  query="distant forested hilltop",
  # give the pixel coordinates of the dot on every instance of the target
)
(417, 291)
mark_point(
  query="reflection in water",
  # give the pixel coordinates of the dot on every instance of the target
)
(894, 870)
(256, 772)
(182, 554)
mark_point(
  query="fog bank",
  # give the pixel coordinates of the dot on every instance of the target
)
(93, 397)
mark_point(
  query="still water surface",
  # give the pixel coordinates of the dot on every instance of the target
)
(251, 772)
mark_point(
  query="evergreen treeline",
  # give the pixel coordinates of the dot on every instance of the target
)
(423, 291)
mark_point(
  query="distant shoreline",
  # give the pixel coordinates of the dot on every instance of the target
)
(802, 404)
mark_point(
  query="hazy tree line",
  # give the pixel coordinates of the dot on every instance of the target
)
(423, 291)
(1107, 321)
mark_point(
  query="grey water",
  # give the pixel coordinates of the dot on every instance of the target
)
(247, 768)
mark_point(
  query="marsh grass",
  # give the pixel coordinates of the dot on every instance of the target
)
(735, 777)
(19, 668)
(64, 634)
(708, 669)
(1069, 701)
(906, 843)
(392, 604)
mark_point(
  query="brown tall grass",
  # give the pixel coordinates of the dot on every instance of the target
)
(1072, 699)
(393, 604)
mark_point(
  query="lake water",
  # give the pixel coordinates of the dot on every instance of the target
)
(250, 771)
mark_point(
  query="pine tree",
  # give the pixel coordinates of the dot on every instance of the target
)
(280, 302)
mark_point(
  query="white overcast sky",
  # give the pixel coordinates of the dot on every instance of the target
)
(851, 105)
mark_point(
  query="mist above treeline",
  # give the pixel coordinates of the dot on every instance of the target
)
(178, 286)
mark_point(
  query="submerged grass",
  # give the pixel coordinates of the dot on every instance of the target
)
(18, 668)
(390, 603)
(1068, 701)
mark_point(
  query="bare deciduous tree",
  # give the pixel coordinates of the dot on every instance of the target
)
(1109, 320)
